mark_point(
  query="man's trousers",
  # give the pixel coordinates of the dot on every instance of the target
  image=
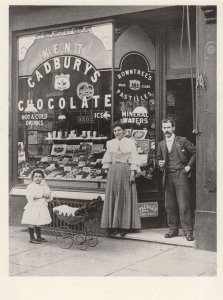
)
(178, 201)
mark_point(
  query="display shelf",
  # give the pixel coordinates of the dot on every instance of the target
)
(64, 179)
(77, 139)
(85, 185)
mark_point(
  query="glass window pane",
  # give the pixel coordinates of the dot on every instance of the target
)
(178, 54)
(64, 101)
(134, 95)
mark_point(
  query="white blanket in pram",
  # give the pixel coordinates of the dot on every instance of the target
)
(65, 210)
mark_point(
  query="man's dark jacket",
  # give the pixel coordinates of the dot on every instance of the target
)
(185, 149)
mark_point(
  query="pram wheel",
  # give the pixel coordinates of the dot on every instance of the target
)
(65, 237)
(82, 241)
(92, 238)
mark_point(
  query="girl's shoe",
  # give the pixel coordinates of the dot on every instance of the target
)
(35, 241)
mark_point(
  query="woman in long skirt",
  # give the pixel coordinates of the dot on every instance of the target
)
(120, 212)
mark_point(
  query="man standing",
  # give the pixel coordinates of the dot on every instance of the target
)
(175, 156)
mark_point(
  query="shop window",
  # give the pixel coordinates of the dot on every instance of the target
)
(64, 102)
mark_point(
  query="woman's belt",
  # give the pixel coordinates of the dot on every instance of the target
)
(114, 161)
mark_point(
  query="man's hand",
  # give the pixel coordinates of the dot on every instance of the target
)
(161, 163)
(187, 169)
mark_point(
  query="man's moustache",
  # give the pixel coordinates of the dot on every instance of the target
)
(167, 132)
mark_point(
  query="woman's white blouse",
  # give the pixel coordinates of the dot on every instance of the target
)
(123, 150)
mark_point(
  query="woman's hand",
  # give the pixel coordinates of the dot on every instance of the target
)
(46, 195)
(105, 171)
(132, 177)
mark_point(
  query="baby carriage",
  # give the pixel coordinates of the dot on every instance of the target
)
(87, 217)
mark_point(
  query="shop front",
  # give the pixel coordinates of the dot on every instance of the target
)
(71, 82)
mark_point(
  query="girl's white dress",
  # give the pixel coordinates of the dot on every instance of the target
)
(36, 212)
(120, 208)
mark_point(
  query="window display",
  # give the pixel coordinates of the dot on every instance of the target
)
(64, 101)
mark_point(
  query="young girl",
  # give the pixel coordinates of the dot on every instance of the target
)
(36, 211)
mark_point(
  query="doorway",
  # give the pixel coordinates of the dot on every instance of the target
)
(179, 107)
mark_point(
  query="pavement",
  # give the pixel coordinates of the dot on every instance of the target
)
(111, 257)
(157, 235)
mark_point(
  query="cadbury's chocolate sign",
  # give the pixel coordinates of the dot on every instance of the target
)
(65, 82)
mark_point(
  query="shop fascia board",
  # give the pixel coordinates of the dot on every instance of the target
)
(24, 17)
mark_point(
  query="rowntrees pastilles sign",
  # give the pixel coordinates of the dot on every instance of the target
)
(134, 88)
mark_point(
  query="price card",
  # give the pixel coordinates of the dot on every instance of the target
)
(148, 209)
(97, 148)
(81, 164)
(86, 169)
(143, 145)
(67, 168)
(44, 159)
(143, 158)
(65, 160)
(98, 171)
